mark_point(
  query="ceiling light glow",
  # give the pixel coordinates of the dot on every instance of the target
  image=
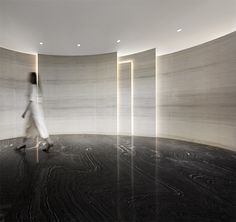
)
(179, 30)
(78, 45)
(118, 41)
(41, 43)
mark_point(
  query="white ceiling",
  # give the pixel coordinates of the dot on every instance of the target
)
(98, 24)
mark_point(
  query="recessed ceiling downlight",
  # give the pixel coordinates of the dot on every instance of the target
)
(118, 41)
(179, 30)
(78, 45)
(41, 43)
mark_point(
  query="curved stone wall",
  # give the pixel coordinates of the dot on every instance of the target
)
(196, 93)
(80, 93)
(14, 69)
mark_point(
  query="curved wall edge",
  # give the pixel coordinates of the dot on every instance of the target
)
(19, 51)
(123, 55)
(207, 143)
(200, 45)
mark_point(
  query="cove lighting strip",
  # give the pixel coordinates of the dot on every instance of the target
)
(131, 95)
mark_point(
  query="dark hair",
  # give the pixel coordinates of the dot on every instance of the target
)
(33, 78)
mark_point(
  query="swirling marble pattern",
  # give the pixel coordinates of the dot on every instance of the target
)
(109, 178)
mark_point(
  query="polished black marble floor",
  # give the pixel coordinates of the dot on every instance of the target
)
(105, 178)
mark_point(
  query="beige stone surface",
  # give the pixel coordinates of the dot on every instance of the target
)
(196, 93)
(14, 69)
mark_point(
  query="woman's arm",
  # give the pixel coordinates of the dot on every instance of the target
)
(23, 115)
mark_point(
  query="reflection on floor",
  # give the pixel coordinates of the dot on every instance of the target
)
(105, 178)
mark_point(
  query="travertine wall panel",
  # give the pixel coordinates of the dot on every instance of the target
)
(14, 70)
(80, 93)
(125, 98)
(196, 93)
(143, 92)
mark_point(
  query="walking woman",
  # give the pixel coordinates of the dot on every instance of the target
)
(35, 122)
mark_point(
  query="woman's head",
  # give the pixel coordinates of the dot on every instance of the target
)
(33, 78)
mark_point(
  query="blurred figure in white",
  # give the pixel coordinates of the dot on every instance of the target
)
(35, 122)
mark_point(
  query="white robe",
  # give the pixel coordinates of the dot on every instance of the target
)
(36, 123)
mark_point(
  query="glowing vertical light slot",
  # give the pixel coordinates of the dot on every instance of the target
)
(36, 63)
(156, 102)
(118, 99)
(118, 119)
(132, 98)
(156, 93)
(37, 77)
(131, 123)
(117, 138)
(132, 134)
(156, 123)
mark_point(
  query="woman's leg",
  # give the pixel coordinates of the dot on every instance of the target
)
(41, 125)
(28, 131)
(44, 134)
(49, 144)
(23, 146)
